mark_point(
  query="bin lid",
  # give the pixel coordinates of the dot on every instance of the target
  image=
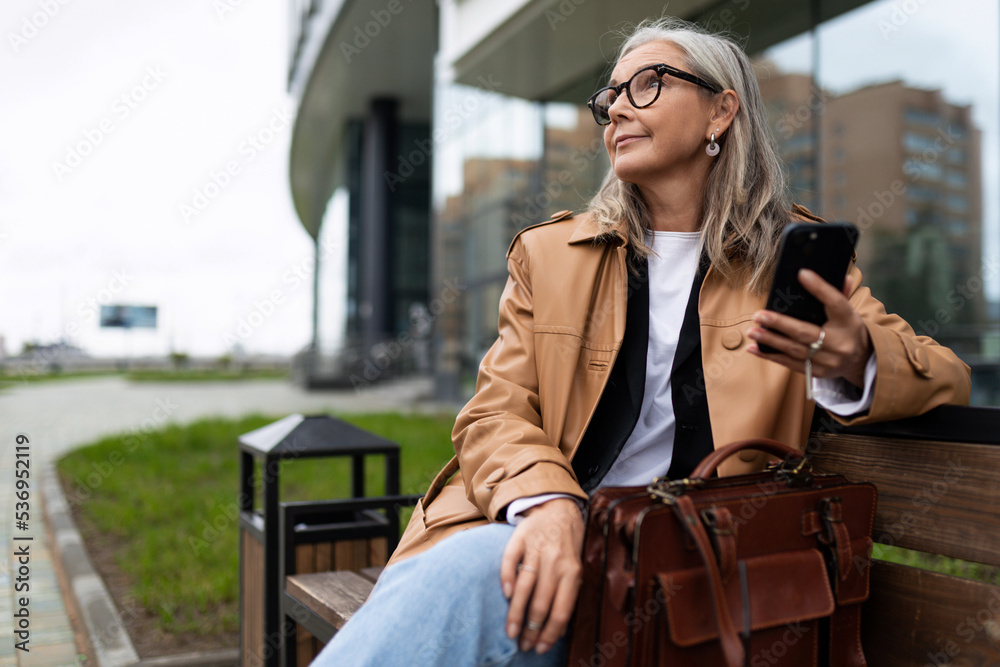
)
(320, 435)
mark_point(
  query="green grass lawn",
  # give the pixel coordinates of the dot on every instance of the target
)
(168, 501)
(189, 375)
(11, 377)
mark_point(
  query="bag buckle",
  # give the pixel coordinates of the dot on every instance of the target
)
(667, 490)
(794, 474)
(827, 507)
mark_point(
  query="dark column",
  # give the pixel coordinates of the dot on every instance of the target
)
(378, 146)
(312, 356)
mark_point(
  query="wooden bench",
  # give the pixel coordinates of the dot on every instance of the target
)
(938, 477)
(332, 596)
(332, 551)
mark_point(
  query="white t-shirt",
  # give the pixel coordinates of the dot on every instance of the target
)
(648, 451)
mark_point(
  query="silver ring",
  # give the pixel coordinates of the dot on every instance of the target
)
(533, 625)
(817, 344)
(522, 566)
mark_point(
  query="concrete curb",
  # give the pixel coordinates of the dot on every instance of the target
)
(105, 629)
(204, 659)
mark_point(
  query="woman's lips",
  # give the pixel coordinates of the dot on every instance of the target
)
(627, 139)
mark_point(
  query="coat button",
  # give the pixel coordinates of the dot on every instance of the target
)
(732, 339)
(560, 214)
(495, 477)
(918, 357)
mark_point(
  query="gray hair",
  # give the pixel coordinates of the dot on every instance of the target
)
(745, 206)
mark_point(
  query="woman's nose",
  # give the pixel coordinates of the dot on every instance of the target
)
(619, 106)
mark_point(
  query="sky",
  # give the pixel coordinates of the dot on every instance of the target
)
(145, 162)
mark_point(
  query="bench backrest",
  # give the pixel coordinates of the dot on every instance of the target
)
(938, 479)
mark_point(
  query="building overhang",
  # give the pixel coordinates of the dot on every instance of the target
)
(352, 52)
(561, 50)
(546, 50)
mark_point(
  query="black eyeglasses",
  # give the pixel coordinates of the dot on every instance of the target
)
(642, 89)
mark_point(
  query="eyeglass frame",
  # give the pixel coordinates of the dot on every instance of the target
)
(661, 69)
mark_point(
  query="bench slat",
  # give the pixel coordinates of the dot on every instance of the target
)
(916, 617)
(937, 497)
(333, 596)
(371, 573)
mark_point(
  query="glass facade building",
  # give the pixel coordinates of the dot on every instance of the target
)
(886, 113)
(874, 128)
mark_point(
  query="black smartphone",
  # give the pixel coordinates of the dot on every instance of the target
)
(827, 249)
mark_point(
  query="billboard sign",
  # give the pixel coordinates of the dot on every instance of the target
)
(128, 317)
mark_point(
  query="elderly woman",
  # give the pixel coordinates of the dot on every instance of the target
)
(628, 349)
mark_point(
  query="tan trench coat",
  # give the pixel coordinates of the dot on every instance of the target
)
(562, 319)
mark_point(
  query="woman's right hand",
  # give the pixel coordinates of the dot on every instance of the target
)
(541, 565)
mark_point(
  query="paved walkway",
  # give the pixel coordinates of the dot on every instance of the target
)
(61, 415)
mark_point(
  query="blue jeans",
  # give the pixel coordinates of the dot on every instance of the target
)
(441, 607)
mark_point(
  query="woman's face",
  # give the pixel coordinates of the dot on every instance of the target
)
(650, 145)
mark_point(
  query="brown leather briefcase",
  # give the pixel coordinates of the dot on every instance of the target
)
(761, 570)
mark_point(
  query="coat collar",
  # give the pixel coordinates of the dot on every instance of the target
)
(588, 231)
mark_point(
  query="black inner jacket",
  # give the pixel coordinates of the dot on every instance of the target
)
(618, 410)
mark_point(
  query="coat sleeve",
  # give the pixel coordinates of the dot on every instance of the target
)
(503, 451)
(914, 374)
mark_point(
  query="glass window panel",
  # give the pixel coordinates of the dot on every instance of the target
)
(919, 124)
(913, 128)
(501, 164)
(957, 179)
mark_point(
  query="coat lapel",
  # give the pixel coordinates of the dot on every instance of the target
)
(690, 336)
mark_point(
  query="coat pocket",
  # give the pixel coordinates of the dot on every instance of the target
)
(450, 507)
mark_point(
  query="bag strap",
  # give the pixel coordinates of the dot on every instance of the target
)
(773, 447)
(732, 648)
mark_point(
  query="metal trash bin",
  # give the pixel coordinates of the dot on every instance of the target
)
(261, 575)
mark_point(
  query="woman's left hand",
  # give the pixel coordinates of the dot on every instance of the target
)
(846, 345)
(541, 573)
